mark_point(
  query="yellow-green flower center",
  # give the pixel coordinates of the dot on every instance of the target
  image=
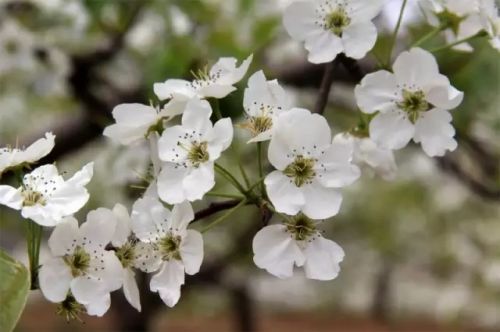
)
(126, 254)
(78, 262)
(301, 170)
(413, 103)
(337, 21)
(198, 153)
(301, 228)
(450, 20)
(69, 308)
(170, 247)
(32, 197)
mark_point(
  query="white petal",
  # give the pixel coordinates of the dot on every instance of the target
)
(358, 39)
(323, 46)
(132, 122)
(228, 72)
(445, 97)
(334, 168)
(363, 10)
(222, 136)
(377, 92)
(416, 67)
(197, 116)
(54, 279)
(62, 239)
(192, 251)
(146, 257)
(39, 149)
(87, 290)
(381, 160)
(174, 88)
(130, 289)
(182, 214)
(434, 131)
(170, 183)
(216, 91)
(320, 202)
(299, 19)
(199, 181)
(168, 282)
(147, 215)
(112, 274)
(99, 307)
(322, 259)
(123, 229)
(99, 227)
(283, 193)
(11, 197)
(276, 251)
(391, 130)
(169, 148)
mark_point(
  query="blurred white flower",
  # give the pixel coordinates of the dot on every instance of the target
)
(367, 153)
(413, 103)
(309, 167)
(173, 249)
(460, 17)
(263, 102)
(491, 21)
(217, 83)
(135, 122)
(81, 265)
(45, 197)
(188, 152)
(277, 248)
(16, 48)
(331, 27)
(14, 157)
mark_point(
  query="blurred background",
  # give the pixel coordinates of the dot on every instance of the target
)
(422, 251)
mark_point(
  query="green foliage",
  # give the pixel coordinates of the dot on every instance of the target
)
(14, 290)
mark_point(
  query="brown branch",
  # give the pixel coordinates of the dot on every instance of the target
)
(214, 208)
(326, 85)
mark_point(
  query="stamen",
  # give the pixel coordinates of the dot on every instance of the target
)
(301, 170)
(170, 247)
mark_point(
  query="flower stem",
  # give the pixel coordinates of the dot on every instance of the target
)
(224, 216)
(226, 174)
(213, 194)
(428, 36)
(216, 108)
(33, 239)
(326, 85)
(461, 41)
(261, 169)
(395, 33)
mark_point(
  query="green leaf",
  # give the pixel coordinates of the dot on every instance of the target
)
(14, 290)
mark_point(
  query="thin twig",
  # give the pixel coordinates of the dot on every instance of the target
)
(326, 84)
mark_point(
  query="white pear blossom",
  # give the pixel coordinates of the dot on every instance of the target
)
(367, 153)
(45, 197)
(125, 250)
(278, 248)
(413, 102)
(188, 152)
(14, 157)
(79, 264)
(217, 83)
(491, 21)
(173, 249)
(309, 167)
(331, 27)
(263, 101)
(460, 17)
(135, 122)
(16, 48)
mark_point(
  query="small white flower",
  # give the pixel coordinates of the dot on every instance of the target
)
(309, 167)
(45, 197)
(13, 157)
(189, 151)
(491, 21)
(277, 248)
(125, 249)
(413, 103)
(460, 16)
(216, 83)
(168, 245)
(80, 264)
(16, 48)
(263, 101)
(367, 153)
(331, 27)
(135, 122)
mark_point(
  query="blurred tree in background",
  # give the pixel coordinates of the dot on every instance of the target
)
(424, 245)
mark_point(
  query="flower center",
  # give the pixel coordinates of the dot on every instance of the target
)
(79, 262)
(70, 309)
(450, 20)
(301, 170)
(337, 21)
(301, 228)
(170, 247)
(260, 124)
(32, 197)
(126, 254)
(198, 153)
(413, 103)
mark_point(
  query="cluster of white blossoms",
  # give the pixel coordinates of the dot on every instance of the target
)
(310, 164)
